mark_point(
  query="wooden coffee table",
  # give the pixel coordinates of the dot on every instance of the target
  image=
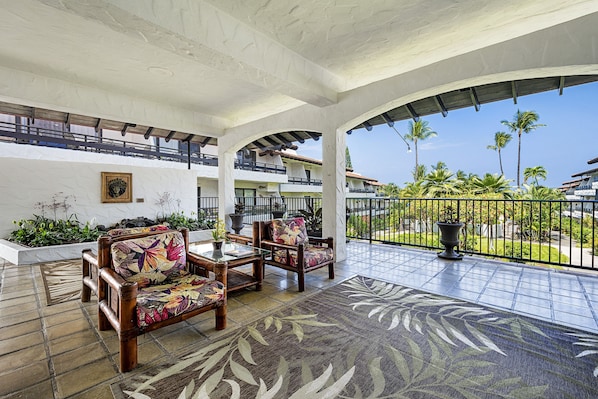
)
(234, 255)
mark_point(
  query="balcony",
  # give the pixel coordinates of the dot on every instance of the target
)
(83, 360)
(32, 135)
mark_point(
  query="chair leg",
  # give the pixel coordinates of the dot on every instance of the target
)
(331, 271)
(128, 354)
(103, 323)
(85, 293)
(301, 278)
(221, 318)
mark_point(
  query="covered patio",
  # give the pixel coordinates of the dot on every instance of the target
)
(57, 351)
(232, 73)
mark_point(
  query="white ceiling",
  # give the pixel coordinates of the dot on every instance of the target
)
(229, 62)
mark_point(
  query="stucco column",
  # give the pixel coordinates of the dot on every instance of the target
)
(333, 190)
(226, 184)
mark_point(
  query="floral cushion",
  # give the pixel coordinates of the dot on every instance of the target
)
(312, 256)
(184, 293)
(150, 260)
(136, 230)
(290, 231)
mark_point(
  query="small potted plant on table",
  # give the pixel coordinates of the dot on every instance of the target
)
(218, 235)
(450, 227)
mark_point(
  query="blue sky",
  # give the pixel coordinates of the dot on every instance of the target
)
(562, 147)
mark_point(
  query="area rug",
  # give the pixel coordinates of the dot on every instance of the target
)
(62, 280)
(371, 339)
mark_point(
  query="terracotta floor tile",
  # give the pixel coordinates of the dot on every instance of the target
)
(20, 342)
(83, 378)
(20, 329)
(41, 390)
(70, 342)
(75, 358)
(22, 358)
(68, 328)
(100, 392)
(24, 377)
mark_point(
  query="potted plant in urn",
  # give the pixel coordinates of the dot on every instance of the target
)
(218, 235)
(278, 211)
(449, 227)
(237, 217)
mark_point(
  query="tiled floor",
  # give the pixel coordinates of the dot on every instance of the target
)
(56, 351)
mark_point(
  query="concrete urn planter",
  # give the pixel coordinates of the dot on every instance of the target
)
(449, 237)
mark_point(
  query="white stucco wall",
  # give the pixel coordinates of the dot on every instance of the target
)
(32, 178)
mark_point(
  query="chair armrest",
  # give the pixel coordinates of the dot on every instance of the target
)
(118, 301)
(329, 241)
(241, 239)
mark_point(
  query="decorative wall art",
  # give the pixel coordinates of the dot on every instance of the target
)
(117, 187)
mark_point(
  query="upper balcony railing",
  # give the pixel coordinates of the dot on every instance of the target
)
(304, 181)
(33, 135)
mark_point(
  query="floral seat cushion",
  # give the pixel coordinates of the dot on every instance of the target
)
(184, 293)
(290, 231)
(312, 256)
(150, 260)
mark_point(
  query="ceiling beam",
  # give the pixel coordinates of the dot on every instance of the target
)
(125, 127)
(148, 132)
(97, 127)
(388, 119)
(170, 135)
(271, 140)
(412, 112)
(514, 91)
(188, 138)
(314, 136)
(258, 144)
(474, 98)
(561, 85)
(367, 126)
(283, 139)
(205, 142)
(297, 137)
(440, 105)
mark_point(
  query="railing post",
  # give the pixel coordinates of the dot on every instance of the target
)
(370, 220)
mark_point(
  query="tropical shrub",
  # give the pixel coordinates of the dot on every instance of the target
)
(41, 231)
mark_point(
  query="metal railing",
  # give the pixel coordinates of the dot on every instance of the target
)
(38, 136)
(302, 180)
(530, 231)
(559, 233)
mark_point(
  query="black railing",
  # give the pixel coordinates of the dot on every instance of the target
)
(304, 181)
(530, 231)
(559, 233)
(261, 167)
(33, 135)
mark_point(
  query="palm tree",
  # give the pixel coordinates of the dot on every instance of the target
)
(501, 139)
(419, 131)
(391, 190)
(523, 122)
(534, 172)
(419, 173)
(440, 183)
(493, 184)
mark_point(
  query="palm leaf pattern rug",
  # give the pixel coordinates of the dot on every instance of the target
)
(366, 338)
(62, 280)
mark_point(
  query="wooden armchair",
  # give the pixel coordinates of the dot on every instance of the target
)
(149, 280)
(291, 248)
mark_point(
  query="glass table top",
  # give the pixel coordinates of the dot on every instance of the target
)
(230, 251)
